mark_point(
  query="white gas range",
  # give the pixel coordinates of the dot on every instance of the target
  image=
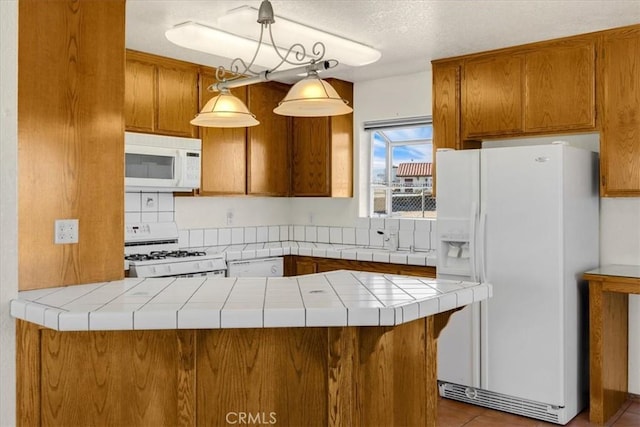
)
(151, 250)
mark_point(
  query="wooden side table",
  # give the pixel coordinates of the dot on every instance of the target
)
(609, 289)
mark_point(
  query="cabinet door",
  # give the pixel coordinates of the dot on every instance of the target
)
(620, 142)
(560, 87)
(446, 106)
(139, 96)
(310, 158)
(305, 266)
(224, 156)
(492, 95)
(177, 101)
(268, 143)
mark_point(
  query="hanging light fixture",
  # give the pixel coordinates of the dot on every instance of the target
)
(309, 97)
(225, 111)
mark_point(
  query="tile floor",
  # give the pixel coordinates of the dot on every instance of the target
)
(456, 414)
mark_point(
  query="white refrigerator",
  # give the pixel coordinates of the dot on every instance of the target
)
(526, 220)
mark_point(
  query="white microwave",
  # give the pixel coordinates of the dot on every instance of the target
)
(161, 163)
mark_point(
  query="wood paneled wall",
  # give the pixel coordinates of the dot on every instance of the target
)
(70, 139)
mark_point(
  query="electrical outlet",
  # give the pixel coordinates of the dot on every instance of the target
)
(66, 231)
(229, 216)
(311, 217)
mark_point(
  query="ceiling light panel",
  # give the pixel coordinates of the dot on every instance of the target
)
(241, 21)
(202, 38)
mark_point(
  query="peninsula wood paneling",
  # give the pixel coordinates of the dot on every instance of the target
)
(279, 372)
(620, 142)
(224, 150)
(268, 143)
(70, 140)
(308, 265)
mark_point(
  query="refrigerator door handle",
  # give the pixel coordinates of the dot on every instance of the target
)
(483, 249)
(473, 242)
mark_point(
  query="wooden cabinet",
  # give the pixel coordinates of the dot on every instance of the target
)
(446, 105)
(224, 150)
(560, 87)
(161, 95)
(297, 265)
(492, 90)
(541, 88)
(251, 160)
(620, 95)
(268, 143)
(322, 152)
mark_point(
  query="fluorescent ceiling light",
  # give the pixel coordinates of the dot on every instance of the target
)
(242, 20)
(222, 43)
(237, 36)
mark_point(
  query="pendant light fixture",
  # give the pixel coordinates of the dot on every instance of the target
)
(310, 97)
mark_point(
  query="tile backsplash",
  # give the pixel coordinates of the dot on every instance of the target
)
(419, 234)
(141, 206)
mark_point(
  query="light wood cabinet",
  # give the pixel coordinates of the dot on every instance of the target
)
(322, 152)
(255, 160)
(560, 86)
(620, 94)
(224, 150)
(446, 105)
(492, 89)
(297, 265)
(268, 143)
(161, 95)
(541, 88)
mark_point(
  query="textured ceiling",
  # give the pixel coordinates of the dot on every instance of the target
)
(408, 33)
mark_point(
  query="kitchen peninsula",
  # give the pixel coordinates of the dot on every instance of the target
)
(338, 348)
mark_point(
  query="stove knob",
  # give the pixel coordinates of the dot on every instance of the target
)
(153, 269)
(196, 266)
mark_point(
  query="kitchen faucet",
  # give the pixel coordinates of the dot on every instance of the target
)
(390, 240)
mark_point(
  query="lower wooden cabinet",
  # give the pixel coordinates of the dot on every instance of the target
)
(295, 265)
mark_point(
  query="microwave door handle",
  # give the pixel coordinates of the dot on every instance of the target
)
(178, 165)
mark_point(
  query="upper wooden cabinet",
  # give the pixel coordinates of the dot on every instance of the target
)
(322, 152)
(492, 89)
(268, 143)
(620, 95)
(560, 87)
(224, 150)
(541, 88)
(161, 95)
(254, 160)
(446, 105)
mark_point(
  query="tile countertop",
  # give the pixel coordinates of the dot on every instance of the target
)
(617, 270)
(337, 298)
(323, 250)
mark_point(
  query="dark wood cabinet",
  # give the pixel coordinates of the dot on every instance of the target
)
(322, 152)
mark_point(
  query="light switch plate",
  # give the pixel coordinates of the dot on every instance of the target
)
(66, 231)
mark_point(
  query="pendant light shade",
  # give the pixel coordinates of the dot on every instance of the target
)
(225, 110)
(312, 97)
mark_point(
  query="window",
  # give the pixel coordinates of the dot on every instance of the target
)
(401, 181)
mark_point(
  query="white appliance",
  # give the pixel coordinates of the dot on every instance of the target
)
(526, 220)
(161, 163)
(151, 250)
(262, 267)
